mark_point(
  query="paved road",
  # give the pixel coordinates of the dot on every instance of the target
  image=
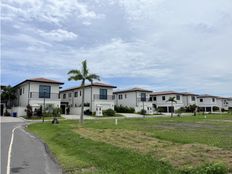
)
(28, 154)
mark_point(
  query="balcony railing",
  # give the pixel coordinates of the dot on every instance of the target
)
(41, 95)
(102, 97)
(143, 99)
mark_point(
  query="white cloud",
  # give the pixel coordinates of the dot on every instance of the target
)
(58, 35)
(182, 45)
(47, 11)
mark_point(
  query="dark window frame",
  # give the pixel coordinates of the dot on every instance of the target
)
(44, 93)
(103, 94)
(143, 96)
(163, 98)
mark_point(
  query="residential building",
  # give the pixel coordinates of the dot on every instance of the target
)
(98, 97)
(160, 100)
(206, 103)
(36, 92)
(137, 98)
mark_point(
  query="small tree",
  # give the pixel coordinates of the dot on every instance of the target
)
(172, 100)
(180, 111)
(7, 95)
(29, 111)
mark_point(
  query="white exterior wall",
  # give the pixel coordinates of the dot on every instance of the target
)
(163, 103)
(132, 100)
(75, 102)
(33, 87)
(187, 100)
(207, 102)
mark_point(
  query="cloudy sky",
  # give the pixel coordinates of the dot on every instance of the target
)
(156, 44)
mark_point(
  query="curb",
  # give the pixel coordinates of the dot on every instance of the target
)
(47, 150)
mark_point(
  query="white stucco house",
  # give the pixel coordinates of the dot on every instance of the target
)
(36, 92)
(160, 100)
(98, 97)
(137, 98)
(207, 103)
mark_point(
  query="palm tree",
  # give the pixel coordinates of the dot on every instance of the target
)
(7, 95)
(172, 100)
(82, 75)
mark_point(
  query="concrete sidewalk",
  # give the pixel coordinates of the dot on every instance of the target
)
(11, 119)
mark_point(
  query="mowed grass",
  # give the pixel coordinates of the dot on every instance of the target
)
(150, 145)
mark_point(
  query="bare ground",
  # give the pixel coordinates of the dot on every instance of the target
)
(179, 155)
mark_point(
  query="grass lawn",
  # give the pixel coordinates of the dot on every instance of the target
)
(150, 145)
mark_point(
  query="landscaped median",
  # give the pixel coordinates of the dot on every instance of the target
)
(150, 145)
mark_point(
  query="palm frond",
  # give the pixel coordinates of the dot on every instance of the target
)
(85, 70)
(74, 72)
(92, 77)
(171, 99)
(75, 77)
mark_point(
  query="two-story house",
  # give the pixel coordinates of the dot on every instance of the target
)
(183, 99)
(137, 98)
(36, 92)
(207, 103)
(98, 97)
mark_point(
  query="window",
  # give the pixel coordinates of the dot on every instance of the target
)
(193, 98)
(213, 99)
(143, 96)
(154, 98)
(30, 94)
(201, 99)
(75, 94)
(125, 96)
(23, 90)
(163, 97)
(120, 96)
(20, 91)
(103, 94)
(80, 93)
(44, 91)
(150, 98)
(178, 97)
(70, 95)
(64, 96)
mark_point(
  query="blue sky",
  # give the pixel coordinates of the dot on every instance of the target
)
(156, 44)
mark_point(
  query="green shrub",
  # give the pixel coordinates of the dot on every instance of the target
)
(215, 108)
(143, 112)
(212, 168)
(124, 109)
(109, 112)
(180, 111)
(29, 111)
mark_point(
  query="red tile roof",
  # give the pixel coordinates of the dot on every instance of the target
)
(132, 90)
(40, 79)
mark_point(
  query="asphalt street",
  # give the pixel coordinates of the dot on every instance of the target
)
(28, 155)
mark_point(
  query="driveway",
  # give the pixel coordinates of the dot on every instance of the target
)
(24, 153)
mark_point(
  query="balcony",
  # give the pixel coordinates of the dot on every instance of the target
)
(38, 95)
(103, 97)
(143, 99)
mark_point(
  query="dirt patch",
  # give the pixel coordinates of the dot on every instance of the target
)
(179, 155)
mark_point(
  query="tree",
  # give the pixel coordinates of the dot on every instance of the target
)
(7, 95)
(82, 75)
(172, 100)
